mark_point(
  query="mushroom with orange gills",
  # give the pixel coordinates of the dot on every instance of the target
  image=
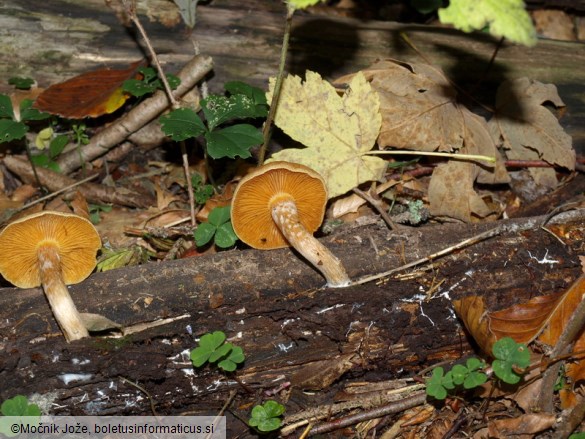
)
(282, 204)
(52, 249)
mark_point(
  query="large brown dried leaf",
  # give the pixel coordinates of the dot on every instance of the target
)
(418, 107)
(528, 424)
(528, 130)
(522, 322)
(558, 321)
(472, 311)
(420, 112)
(544, 317)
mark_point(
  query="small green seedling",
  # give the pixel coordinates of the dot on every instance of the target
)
(213, 349)
(21, 83)
(20, 408)
(13, 127)
(218, 227)
(201, 192)
(149, 83)
(243, 102)
(94, 212)
(267, 417)
(510, 357)
(56, 145)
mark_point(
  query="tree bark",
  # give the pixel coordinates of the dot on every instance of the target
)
(271, 304)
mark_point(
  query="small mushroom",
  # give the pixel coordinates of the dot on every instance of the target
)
(51, 249)
(281, 204)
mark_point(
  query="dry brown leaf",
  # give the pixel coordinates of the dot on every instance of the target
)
(528, 130)
(420, 112)
(418, 106)
(531, 423)
(472, 311)
(524, 321)
(558, 321)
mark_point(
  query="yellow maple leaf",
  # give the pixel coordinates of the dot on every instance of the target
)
(338, 131)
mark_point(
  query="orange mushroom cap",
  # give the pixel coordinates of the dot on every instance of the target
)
(256, 193)
(75, 238)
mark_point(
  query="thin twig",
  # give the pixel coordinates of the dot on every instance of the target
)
(473, 240)
(222, 411)
(376, 204)
(267, 130)
(131, 11)
(395, 407)
(143, 390)
(54, 194)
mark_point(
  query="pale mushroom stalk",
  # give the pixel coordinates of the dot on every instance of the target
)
(57, 294)
(285, 215)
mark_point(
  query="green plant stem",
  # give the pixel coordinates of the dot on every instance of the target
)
(267, 130)
(470, 157)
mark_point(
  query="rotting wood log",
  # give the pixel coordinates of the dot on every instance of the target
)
(269, 303)
(244, 38)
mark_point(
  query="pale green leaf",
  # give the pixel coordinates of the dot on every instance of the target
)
(302, 4)
(338, 130)
(505, 18)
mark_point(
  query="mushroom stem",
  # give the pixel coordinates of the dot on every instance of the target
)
(285, 215)
(57, 294)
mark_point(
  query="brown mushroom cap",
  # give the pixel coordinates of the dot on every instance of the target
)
(75, 237)
(258, 191)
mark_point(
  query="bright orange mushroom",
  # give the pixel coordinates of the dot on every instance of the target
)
(281, 204)
(51, 249)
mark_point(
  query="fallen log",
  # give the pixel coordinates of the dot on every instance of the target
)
(271, 304)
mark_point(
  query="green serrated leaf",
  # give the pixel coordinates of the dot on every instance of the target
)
(225, 236)
(505, 18)
(219, 215)
(21, 83)
(204, 233)
(203, 193)
(302, 4)
(233, 141)
(182, 124)
(137, 87)
(27, 113)
(11, 130)
(6, 110)
(220, 109)
(241, 88)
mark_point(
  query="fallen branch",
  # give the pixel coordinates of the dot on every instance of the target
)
(94, 193)
(136, 118)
